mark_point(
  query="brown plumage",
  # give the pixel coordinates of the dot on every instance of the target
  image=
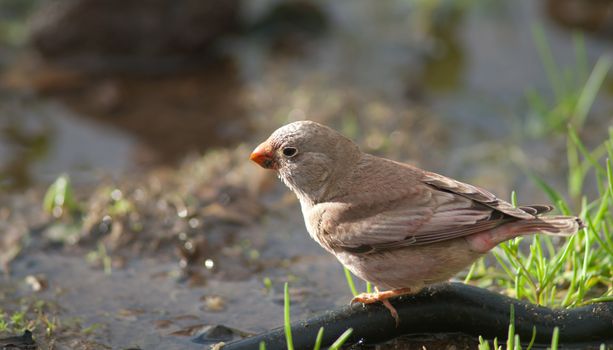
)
(392, 224)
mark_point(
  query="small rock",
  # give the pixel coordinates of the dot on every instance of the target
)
(22, 342)
(216, 334)
(37, 283)
(215, 303)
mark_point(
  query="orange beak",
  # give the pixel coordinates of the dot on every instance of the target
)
(263, 155)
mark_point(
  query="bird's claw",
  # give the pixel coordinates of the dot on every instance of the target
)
(366, 298)
(370, 298)
(392, 311)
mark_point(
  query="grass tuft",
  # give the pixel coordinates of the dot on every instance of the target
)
(563, 271)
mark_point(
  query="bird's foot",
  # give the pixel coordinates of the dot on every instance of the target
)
(369, 298)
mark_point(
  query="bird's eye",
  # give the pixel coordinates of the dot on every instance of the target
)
(289, 151)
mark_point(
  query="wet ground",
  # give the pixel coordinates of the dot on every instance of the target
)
(191, 242)
(194, 265)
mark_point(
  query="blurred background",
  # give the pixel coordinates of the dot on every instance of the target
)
(152, 107)
(93, 88)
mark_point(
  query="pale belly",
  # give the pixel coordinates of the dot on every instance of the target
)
(412, 267)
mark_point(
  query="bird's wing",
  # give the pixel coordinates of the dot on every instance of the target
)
(436, 209)
(481, 196)
(446, 217)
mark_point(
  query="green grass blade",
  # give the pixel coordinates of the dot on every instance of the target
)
(517, 343)
(286, 318)
(560, 260)
(320, 335)
(502, 264)
(262, 345)
(563, 207)
(469, 275)
(341, 340)
(602, 244)
(608, 237)
(580, 57)
(603, 208)
(554, 338)
(553, 195)
(518, 286)
(483, 344)
(603, 299)
(575, 172)
(60, 195)
(350, 282)
(573, 282)
(572, 134)
(531, 344)
(586, 256)
(610, 176)
(551, 68)
(591, 88)
(511, 334)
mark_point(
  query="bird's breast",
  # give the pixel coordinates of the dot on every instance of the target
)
(315, 222)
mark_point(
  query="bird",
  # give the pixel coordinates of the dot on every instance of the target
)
(392, 224)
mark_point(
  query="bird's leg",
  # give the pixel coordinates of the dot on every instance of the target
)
(369, 298)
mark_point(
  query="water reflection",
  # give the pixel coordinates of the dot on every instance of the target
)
(445, 61)
(21, 146)
(170, 114)
(39, 140)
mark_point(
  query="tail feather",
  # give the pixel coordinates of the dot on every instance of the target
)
(551, 225)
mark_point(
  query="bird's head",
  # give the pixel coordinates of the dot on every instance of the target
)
(309, 157)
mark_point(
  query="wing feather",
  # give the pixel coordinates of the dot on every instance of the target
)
(435, 210)
(474, 193)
